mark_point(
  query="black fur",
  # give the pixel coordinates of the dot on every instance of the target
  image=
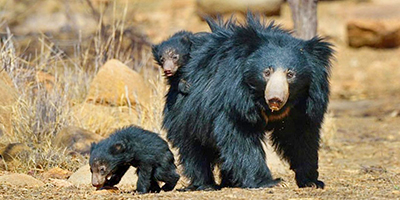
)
(222, 120)
(145, 150)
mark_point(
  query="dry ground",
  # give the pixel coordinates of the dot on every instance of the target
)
(362, 160)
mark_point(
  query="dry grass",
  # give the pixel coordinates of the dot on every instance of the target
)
(52, 85)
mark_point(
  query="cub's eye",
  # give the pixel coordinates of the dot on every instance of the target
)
(175, 57)
(102, 170)
(267, 73)
(162, 59)
(290, 74)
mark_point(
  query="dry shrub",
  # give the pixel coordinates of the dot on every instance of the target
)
(44, 108)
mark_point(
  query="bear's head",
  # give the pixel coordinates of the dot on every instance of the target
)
(106, 158)
(283, 70)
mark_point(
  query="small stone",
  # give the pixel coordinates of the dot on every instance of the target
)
(20, 180)
(56, 173)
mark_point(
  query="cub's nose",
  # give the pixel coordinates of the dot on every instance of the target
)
(275, 103)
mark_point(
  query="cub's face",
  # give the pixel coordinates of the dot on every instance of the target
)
(101, 172)
(170, 60)
(105, 162)
(279, 74)
(172, 53)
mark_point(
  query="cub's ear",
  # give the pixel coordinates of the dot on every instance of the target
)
(186, 39)
(117, 148)
(319, 54)
(92, 146)
(154, 50)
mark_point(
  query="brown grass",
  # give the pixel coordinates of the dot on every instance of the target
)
(44, 107)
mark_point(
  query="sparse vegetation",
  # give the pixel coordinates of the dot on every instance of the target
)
(52, 83)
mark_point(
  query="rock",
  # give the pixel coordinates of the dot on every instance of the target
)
(373, 33)
(56, 173)
(20, 180)
(60, 182)
(118, 85)
(214, 7)
(75, 139)
(113, 190)
(374, 25)
(51, 17)
(83, 177)
(14, 150)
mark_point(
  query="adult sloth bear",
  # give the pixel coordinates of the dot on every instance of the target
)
(246, 79)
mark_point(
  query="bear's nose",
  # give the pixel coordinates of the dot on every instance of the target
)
(168, 72)
(275, 103)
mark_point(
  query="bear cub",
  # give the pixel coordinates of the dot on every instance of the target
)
(171, 55)
(133, 146)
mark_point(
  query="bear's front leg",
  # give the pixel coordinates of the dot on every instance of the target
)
(243, 157)
(299, 143)
(144, 179)
(197, 162)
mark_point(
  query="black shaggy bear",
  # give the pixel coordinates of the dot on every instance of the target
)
(247, 79)
(133, 146)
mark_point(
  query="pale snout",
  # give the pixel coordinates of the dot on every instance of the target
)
(277, 90)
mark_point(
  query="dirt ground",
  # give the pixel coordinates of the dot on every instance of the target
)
(362, 160)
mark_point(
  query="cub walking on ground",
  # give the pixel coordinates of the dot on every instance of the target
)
(133, 146)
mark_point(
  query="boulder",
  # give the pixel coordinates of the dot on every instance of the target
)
(374, 25)
(214, 7)
(60, 182)
(20, 180)
(75, 139)
(83, 177)
(373, 33)
(117, 85)
(14, 150)
(56, 173)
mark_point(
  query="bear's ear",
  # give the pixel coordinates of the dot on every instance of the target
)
(249, 36)
(185, 39)
(117, 148)
(154, 50)
(92, 146)
(319, 54)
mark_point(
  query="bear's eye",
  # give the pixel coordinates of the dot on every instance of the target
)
(162, 59)
(175, 57)
(267, 73)
(102, 170)
(290, 74)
